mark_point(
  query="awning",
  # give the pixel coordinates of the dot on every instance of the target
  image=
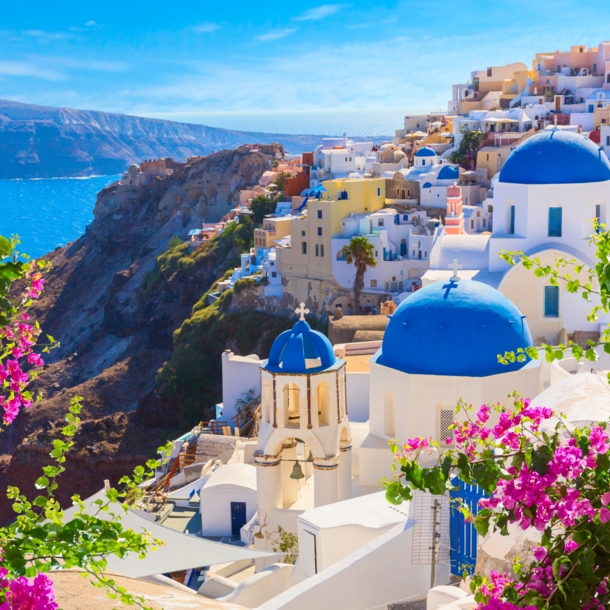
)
(181, 551)
(318, 189)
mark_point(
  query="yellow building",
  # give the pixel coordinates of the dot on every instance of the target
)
(492, 158)
(273, 230)
(310, 252)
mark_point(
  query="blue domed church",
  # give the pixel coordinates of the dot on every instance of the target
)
(442, 344)
(545, 199)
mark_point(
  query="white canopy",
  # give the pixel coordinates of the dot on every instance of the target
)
(181, 551)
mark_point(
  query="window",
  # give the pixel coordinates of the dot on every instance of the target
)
(488, 156)
(484, 222)
(303, 233)
(378, 192)
(607, 140)
(322, 250)
(380, 222)
(319, 213)
(274, 274)
(317, 250)
(373, 283)
(472, 224)
(319, 230)
(304, 247)
(551, 301)
(511, 224)
(423, 162)
(554, 222)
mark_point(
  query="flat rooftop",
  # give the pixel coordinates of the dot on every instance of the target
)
(358, 364)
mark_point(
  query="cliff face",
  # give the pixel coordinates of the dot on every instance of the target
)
(114, 338)
(44, 142)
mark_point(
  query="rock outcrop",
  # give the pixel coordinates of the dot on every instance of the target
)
(114, 338)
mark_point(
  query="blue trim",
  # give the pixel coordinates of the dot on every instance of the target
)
(551, 301)
(555, 216)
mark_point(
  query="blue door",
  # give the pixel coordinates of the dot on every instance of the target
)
(512, 220)
(238, 517)
(463, 536)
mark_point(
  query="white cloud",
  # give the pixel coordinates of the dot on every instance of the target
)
(44, 36)
(24, 68)
(206, 28)
(275, 34)
(101, 65)
(319, 12)
(91, 23)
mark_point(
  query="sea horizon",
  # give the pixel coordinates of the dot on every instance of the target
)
(324, 123)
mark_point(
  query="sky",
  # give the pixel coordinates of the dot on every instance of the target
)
(181, 60)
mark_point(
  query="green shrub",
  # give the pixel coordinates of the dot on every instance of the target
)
(193, 375)
(174, 242)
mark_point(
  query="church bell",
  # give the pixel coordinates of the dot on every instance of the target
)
(297, 472)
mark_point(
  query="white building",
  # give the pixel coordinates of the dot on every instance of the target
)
(549, 191)
(441, 344)
(402, 245)
(228, 500)
(434, 175)
(340, 157)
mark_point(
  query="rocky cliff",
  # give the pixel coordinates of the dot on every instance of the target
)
(114, 308)
(45, 142)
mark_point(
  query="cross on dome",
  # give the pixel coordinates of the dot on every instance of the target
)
(301, 311)
(454, 266)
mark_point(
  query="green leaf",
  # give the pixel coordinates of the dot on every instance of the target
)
(435, 481)
(481, 524)
(5, 247)
(393, 493)
(486, 475)
(541, 458)
(41, 483)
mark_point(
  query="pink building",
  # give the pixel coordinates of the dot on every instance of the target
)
(454, 221)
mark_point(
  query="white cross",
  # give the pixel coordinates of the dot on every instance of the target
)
(455, 268)
(301, 311)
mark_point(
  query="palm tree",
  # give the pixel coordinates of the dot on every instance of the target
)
(361, 253)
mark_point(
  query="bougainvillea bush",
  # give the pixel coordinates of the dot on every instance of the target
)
(39, 539)
(537, 472)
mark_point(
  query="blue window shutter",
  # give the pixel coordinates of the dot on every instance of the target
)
(551, 301)
(554, 222)
(512, 220)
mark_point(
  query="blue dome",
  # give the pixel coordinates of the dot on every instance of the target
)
(300, 350)
(449, 173)
(427, 185)
(454, 328)
(554, 156)
(426, 151)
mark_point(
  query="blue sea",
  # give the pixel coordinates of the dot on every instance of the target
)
(48, 213)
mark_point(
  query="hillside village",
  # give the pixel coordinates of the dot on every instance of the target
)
(274, 502)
